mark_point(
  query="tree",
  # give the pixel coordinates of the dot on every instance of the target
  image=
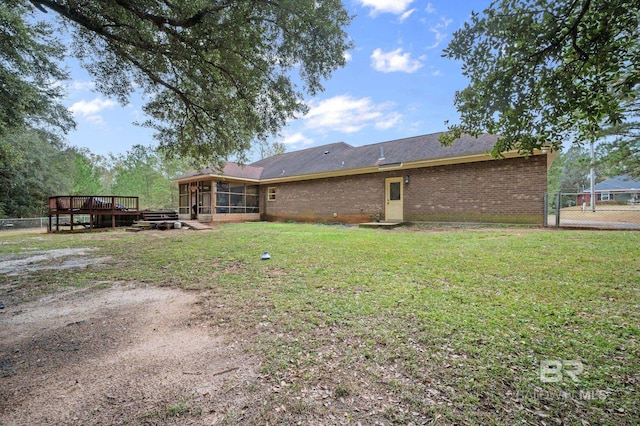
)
(29, 73)
(570, 171)
(141, 172)
(268, 149)
(621, 154)
(86, 174)
(547, 71)
(33, 166)
(217, 73)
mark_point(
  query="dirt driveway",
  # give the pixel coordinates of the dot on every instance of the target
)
(119, 355)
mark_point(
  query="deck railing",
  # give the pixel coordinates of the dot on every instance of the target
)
(103, 211)
(73, 203)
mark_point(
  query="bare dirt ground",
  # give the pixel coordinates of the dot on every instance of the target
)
(125, 354)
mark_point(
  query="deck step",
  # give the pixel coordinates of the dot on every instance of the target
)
(158, 215)
(198, 226)
(381, 225)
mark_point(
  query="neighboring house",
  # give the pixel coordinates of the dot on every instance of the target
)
(412, 179)
(619, 189)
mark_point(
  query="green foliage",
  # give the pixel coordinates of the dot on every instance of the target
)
(145, 173)
(29, 72)
(33, 166)
(547, 71)
(217, 74)
(36, 165)
(570, 171)
(85, 174)
(621, 155)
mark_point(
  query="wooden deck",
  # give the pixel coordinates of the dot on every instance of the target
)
(103, 211)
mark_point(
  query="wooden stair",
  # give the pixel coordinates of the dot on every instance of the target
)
(159, 215)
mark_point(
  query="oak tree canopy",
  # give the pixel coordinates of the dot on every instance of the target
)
(216, 74)
(547, 71)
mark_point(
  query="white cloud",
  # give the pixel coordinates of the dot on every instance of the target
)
(388, 122)
(95, 119)
(83, 85)
(406, 15)
(438, 32)
(347, 56)
(430, 8)
(89, 110)
(396, 7)
(394, 61)
(297, 138)
(348, 115)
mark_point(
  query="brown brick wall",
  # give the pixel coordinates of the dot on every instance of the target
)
(352, 198)
(509, 191)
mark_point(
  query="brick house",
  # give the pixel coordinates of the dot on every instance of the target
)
(618, 189)
(411, 179)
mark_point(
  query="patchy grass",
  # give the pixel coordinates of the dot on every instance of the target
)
(418, 325)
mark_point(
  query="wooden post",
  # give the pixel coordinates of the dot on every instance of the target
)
(91, 213)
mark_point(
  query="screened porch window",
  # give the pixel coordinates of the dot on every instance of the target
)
(204, 197)
(183, 199)
(234, 197)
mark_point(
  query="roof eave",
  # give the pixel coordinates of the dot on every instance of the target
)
(216, 176)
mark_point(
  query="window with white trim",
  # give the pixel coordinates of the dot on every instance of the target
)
(271, 193)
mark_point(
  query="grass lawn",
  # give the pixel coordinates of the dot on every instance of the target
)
(407, 326)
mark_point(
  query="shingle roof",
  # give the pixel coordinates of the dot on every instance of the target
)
(342, 156)
(231, 169)
(620, 183)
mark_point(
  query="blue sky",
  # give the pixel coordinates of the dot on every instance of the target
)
(396, 84)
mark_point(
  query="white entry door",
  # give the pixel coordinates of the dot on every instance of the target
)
(393, 198)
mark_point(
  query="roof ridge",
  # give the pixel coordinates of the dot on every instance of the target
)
(401, 139)
(299, 151)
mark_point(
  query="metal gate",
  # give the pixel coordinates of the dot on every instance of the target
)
(609, 210)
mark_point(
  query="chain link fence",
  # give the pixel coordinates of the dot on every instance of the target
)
(610, 210)
(33, 222)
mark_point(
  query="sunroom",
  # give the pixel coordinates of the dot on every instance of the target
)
(220, 197)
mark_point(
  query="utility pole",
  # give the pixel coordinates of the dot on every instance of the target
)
(593, 178)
